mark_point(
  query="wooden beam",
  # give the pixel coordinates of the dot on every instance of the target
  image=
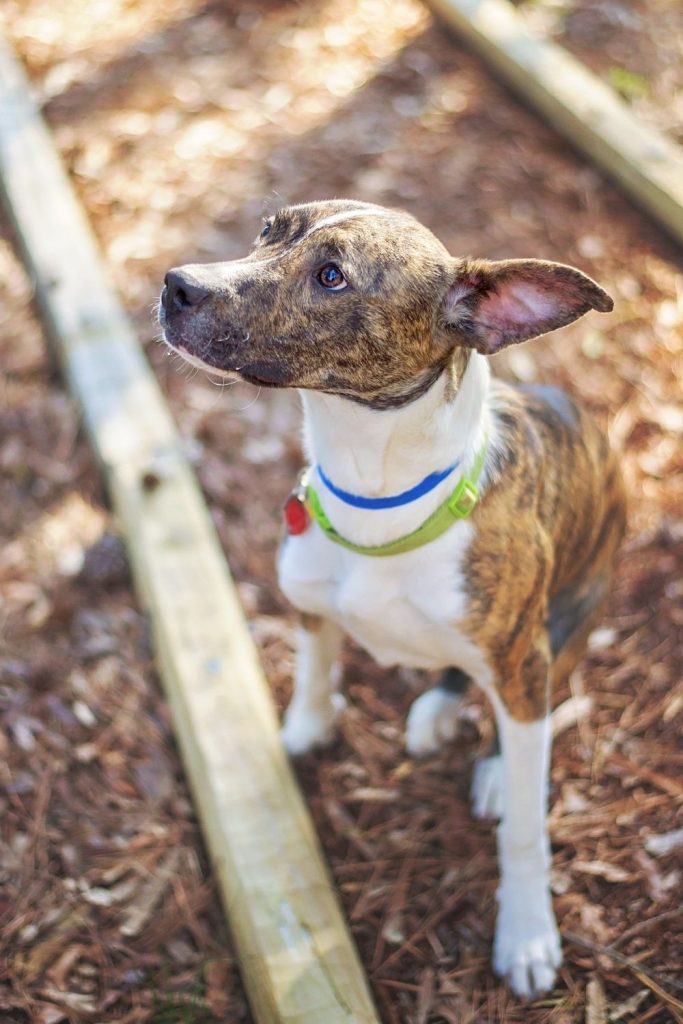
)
(298, 961)
(577, 103)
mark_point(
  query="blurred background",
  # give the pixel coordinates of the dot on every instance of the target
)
(182, 123)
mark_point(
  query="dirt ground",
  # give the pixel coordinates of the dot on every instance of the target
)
(182, 122)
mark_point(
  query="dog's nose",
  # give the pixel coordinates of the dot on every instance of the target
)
(180, 293)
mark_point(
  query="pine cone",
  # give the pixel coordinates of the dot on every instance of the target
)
(106, 563)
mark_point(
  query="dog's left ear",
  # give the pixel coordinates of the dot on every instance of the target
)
(494, 304)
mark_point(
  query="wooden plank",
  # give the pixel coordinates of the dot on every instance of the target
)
(578, 104)
(298, 960)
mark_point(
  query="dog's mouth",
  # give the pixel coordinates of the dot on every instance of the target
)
(261, 373)
(265, 375)
(210, 344)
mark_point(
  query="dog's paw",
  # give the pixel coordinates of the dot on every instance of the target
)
(305, 728)
(432, 721)
(486, 791)
(527, 945)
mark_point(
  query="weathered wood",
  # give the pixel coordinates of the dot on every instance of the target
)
(579, 105)
(298, 961)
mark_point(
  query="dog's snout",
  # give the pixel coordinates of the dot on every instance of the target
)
(181, 293)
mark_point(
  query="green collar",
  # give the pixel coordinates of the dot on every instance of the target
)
(458, 505)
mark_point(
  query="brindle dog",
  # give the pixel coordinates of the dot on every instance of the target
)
(385, 335)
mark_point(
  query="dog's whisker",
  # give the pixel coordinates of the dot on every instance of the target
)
(253, 401)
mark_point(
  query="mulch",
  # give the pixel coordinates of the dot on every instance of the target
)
(182, 122)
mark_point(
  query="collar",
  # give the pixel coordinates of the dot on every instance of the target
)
(393, 500)
(458, 505)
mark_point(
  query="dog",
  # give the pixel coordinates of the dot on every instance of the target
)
(447, 521)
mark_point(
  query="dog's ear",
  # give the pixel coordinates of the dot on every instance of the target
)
(494, 304)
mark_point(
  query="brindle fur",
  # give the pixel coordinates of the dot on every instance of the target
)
(545, 536)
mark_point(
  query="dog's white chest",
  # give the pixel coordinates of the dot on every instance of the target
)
(403, 609)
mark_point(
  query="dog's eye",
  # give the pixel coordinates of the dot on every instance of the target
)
(331, 277)
(265, 230)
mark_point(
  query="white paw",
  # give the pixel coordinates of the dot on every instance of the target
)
(305, 727)
(486, 791)
(527, 944)
(432, 721)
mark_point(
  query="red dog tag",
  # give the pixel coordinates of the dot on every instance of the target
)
(297, 519)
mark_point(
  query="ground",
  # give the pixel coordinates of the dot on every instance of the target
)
(181, 124)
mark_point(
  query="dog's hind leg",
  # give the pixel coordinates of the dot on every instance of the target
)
(486, 792)
(433, 717)
(311, 718)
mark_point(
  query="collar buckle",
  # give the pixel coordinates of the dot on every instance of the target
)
(463, 499)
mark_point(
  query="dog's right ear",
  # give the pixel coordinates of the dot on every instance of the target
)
(494, 304)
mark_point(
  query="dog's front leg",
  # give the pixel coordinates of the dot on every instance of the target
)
(316, 704)
(527, 944)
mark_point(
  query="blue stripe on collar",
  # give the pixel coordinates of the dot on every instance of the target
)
(393, 500)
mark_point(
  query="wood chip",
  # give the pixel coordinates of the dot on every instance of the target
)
(602, 869)
(570, 712)
(663, 845)
(596, 1005)
(139, 913)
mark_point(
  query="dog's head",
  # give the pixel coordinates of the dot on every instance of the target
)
(357, 300)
